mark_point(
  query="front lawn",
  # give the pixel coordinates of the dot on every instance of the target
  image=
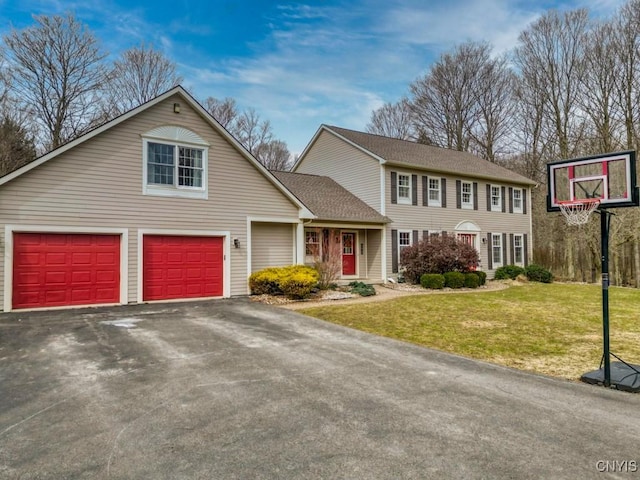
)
(554, 329)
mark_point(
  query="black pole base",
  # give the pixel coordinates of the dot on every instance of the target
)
(624, 376)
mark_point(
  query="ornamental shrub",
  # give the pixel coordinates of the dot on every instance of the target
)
(482, 277)
(295, 281)
(434, 281)
(437, 255)
(266, 281)
(471, 280)
(362, 289)
(508, 272)
(454, 280)
(298, 284)
(537, 273)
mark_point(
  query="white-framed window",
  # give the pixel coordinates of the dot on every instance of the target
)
(404, 241)
(404, 188)
(496, 250)
(496, 198)
(517, 200)
(174, 163)
(518, 249)
(466, 192)
(312, 244)
(435, 197)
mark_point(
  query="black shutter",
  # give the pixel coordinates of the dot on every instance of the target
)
(504, 200)
(510, 199)
(425, 235)
(475, 195)
(524, 201)
(444, 233)
(425, 191)
(458, 194)
(490, 250)
(394, 251)
(443, 192)
(394, 187)
(505, 260)
(512, 248)
(488, 198)
(414, 190)
(526, 250)
(415, 238)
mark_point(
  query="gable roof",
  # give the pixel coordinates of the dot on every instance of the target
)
(328, 200)
(181, 92)
(404, 153)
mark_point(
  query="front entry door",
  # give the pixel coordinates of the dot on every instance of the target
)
(348, 254)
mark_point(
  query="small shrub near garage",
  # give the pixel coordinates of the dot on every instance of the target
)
(454, 280)
(537, 273)
(362, 289)
(482, 277)
(294, 281)
(471, 280)
(434, 281)
(508, 272)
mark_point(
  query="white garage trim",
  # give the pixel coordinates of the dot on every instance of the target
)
(226, 261)
(9, 230)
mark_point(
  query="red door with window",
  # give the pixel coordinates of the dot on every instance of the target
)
(469, 239)
(348, 254)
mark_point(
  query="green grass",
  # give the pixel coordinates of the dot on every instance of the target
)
(554, 329)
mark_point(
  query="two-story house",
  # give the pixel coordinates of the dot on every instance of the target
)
(424, 190)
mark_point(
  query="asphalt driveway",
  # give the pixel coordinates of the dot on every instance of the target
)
(232, 389)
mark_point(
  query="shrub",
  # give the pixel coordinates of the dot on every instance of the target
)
(437, 255)
(482, 277)
(295, 281)
(538, 273)
(471, 280)
(362, 289)
(454, 279)
(434, 281)
(508, 272)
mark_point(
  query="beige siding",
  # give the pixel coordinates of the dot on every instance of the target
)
(374, 255)
(419, 217)
(272, 245)
(99, 184)
(356, 171)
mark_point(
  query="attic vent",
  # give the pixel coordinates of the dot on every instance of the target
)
(177, 134)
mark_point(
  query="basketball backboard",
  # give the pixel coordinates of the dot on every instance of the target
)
(610, 178)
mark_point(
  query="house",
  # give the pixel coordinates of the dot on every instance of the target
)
(425, 191)
(161, 203)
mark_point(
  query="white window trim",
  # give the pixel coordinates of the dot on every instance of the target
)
(404, 200)
(521, 237)
(410, 232)
(176, 191)
(463, 204)
(495, 244)
(311, 258)
(513, 200)
(431, 202)
(496, 208)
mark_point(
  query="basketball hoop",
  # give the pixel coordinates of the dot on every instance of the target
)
(578, 212)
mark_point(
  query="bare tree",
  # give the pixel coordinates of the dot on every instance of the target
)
(57, 70)
(139, 75)
(224, 111)
(252, 131)
(16, 146)
(393, 120)
(274, 155)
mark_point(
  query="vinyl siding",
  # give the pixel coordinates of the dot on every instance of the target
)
(410, 217)
(272, 245)
(356, 171)
(374, 255)
(99, 184)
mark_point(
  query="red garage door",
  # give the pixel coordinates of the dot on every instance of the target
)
(56, 269)
(182, 267)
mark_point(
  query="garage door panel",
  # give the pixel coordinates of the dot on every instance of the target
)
(57, 269)
(182, 267)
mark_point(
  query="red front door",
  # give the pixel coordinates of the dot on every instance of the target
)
(348, 254)
(182, 267)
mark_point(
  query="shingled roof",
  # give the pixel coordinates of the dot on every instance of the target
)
(328, 200)
(427, 157)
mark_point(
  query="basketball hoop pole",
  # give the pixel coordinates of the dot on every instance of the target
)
(605, 222)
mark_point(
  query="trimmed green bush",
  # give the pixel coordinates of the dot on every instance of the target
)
(508, 272)
(537, 273)
(362, 289)
(471, 280)
(434, 281)
(294, 281)
(454, 280)
(482, 276)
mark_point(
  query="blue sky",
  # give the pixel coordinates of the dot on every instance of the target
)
(300, 64)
